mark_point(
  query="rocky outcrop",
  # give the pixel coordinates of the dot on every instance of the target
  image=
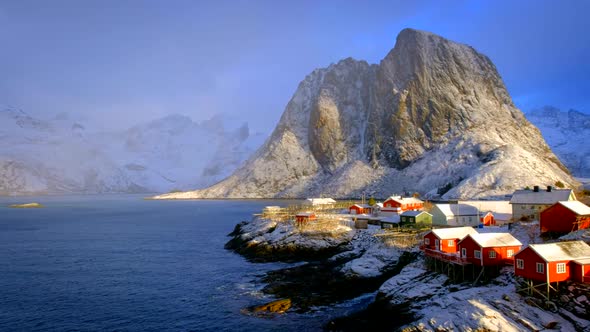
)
(434, 117)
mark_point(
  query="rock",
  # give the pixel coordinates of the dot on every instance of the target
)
(581, 298)
(564, 298)
(505, 297)
(278, 306)
(432, 115)
(550, 325)
(27, 206)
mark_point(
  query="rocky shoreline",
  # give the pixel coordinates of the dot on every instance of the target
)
(343, 263)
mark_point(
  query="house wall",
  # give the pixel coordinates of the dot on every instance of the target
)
(466, 220)
(424, 218)
(557, 218)
(530, 259)
(530, 211)
(501, 253)
(438, 218)
(488, 220)
(432, 238)
(446, 247)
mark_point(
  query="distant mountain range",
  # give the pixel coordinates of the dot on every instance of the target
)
(173, 153)
(568, 134)
(433, 117)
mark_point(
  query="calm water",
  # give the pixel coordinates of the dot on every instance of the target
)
(122, 263)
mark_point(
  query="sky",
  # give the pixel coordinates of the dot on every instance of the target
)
(116, 63)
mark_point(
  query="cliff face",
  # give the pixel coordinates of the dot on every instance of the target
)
(434, 117)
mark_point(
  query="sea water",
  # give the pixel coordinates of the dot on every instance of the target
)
(122, 263)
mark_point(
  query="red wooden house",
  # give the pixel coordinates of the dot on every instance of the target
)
(565, 217)
(445, 239)
(554, 262)
(360, 209)
(488, 249)
(398, 204)
(304, 217)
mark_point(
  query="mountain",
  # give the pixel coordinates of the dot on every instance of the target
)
(60, 156)
(567, 133)
(433, 116)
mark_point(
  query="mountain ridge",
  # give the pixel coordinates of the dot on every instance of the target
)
(433, 116)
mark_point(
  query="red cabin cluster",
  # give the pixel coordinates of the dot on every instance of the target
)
(360, 209)
(465, 245)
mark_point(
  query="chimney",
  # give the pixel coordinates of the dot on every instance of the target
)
(536, 189)
(549, 188)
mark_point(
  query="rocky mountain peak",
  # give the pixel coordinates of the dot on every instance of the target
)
(433, 115)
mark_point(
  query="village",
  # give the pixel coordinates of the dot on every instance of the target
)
(474, 240)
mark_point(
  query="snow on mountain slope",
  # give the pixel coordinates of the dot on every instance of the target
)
(433, 117)
(567, 133)
(60, 156)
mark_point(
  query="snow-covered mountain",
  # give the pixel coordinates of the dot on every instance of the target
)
(173, 153)
(434, 117)
(567, 133)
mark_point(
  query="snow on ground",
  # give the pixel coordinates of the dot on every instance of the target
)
(440, 306)
(374, 255)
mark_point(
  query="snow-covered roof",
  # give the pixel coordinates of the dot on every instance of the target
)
(583, 261)
(487, 240)
(451, 210)
(540, 197)
(305, 214)
(576, 207)
(391, 219)
(404, 200)
(319, 201)
(453, 233)
(570, 250)
(490, 206)
(379, 204)
(414, 213)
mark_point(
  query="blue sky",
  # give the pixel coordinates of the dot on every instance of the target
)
(118, 63)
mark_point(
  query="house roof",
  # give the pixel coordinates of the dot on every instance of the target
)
(404, 200)
(305, 214)
(490, 206)
(319, 201)
(451, 210)
(576, 207)
(414, 213)
(391, 219)
(487, 240)
(570, 250)
(540, 197)
(453, 233)
(583, 261)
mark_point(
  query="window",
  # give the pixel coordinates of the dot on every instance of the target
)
(560, 267)
(519, 263)
(492, 254)
(540, 268)
(477, 254)
(437, 244)
(510, 253)
(427, 241)
(463, 252)
(450, 243)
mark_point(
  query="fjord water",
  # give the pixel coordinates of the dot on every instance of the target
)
(123, 263)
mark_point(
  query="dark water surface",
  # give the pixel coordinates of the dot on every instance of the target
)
(122, 263)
